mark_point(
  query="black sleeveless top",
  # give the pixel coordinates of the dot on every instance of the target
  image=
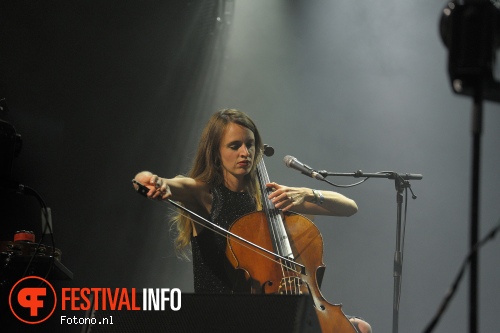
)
(209, 248)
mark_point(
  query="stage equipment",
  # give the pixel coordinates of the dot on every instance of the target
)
(402, 184)
(470, 29)
(216, 313)
(23, 255)
(10, 144)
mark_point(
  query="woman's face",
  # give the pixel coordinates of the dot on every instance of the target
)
(237, 152)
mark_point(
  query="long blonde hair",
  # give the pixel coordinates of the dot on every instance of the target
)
(207, 165)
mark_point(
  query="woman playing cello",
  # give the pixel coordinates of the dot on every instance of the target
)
(222, 186)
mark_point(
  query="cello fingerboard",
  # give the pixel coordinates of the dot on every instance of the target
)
(276, 226)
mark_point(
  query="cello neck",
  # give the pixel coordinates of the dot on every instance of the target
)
(276, 226)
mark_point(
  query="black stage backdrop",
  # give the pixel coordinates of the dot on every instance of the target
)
(80, 81)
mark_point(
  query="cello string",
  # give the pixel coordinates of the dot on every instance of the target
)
(281, 237)
(262, 173)
(270, 213)
(277, 226)
(272, 219)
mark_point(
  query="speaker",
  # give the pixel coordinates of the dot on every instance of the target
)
(215, 313)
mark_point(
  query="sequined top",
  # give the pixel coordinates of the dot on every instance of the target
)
(209, 248)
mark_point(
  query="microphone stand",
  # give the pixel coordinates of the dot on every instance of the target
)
(401, 181)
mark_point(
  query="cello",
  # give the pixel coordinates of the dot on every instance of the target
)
(299, 264)
(289, 250)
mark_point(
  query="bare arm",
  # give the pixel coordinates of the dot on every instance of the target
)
(303, 200)
(183, 189)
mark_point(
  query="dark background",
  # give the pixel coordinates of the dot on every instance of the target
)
(100, 90)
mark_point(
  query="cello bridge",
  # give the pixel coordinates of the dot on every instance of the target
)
(291, 285)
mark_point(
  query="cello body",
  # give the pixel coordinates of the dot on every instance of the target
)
(267, 275)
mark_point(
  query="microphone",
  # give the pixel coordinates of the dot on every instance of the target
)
(293, 163)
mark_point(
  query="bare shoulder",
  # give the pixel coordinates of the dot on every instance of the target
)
(190, 191)
(187, 184)
(195, 195)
